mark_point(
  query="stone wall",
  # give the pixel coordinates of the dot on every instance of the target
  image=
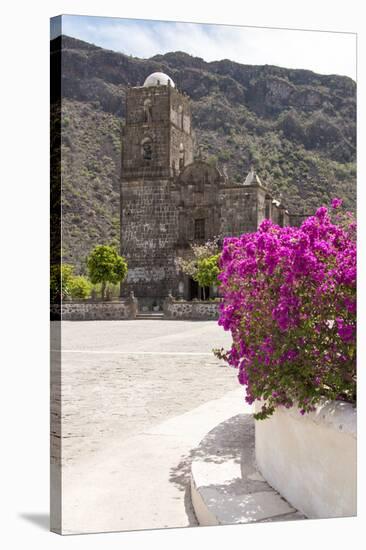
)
(137, 129)
(198, 187)
(149, 197)
(94, 311)
(168, 201)
(195, 310)
(239, 212)
(297, 219)
(149, 232)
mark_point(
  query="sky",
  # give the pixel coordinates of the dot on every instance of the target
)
(321, 52)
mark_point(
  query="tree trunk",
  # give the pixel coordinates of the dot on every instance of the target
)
(204, 293)
(103, 291)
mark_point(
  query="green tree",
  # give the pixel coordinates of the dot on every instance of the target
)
(106, 266)
(80, 287)
(202, 263)
(207, 271)
(60, 278)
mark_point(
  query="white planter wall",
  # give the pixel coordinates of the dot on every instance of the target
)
(311, 460)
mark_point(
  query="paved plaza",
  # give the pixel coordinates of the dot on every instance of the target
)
(137, 398)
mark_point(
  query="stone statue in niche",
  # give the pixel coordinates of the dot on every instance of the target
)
(181, 156)
(148, 111)
(180, 117)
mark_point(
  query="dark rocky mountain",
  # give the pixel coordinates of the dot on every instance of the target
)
(298, 129)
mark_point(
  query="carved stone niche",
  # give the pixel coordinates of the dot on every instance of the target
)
(147, 148)
(148, 111)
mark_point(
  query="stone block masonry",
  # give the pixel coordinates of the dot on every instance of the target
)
(94, 311)
(149, 225)
(171, 198)
(194, 310)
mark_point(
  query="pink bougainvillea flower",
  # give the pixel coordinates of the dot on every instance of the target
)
(289, 301)
(336, 203)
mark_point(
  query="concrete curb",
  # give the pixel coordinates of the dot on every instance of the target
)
(226, 486)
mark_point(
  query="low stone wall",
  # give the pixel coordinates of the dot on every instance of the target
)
(196, 310)
(94, 311)
(311, 460)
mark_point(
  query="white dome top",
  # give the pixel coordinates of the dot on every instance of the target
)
(158, 78)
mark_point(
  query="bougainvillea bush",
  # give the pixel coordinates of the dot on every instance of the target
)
(289, 300)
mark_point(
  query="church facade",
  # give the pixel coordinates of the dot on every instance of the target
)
(170, 199)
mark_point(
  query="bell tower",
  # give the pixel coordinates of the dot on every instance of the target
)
(157, 144)
(157, 135)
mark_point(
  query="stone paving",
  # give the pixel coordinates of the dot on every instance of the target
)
(120, 381)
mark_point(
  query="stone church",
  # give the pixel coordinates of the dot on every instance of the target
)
(171, 199)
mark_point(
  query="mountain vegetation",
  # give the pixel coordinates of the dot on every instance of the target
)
(296, 127)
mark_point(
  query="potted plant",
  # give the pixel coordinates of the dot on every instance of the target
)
(289, 300)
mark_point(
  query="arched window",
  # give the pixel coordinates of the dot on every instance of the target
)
(199, 229)
(146, 148)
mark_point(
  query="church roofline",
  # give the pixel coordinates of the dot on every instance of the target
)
(200, 161)
(248, 186)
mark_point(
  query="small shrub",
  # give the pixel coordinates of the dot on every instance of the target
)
(80, 288)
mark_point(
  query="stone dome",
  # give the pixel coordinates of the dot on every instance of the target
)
(156, 79)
